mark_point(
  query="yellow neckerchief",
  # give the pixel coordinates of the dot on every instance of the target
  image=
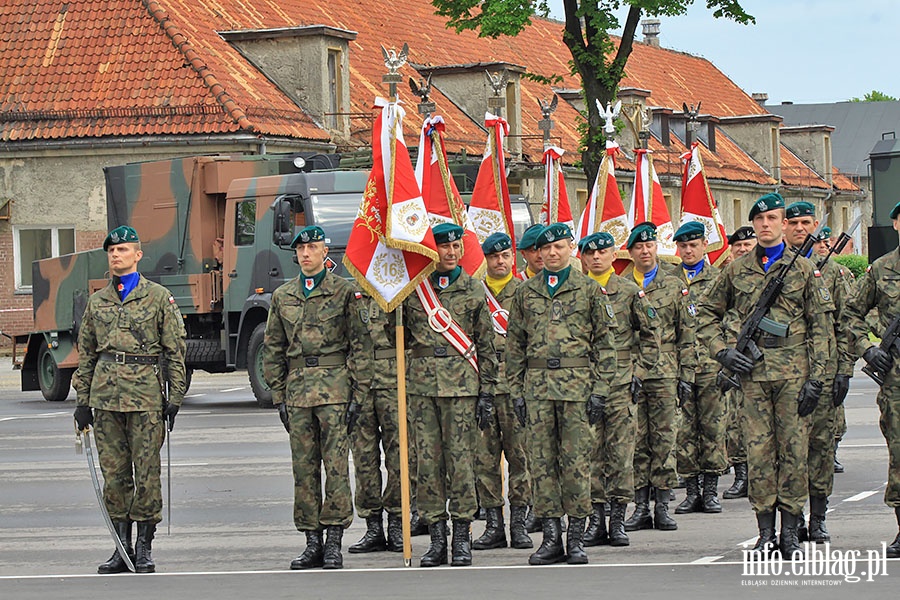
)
(602, 278)
(529, 273)
(639, 278)
(496, 285)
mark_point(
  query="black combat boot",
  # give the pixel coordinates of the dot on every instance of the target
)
(461, 544)
(437, 551)
(893, 551)
(494, 535)
(314, 555)
(817, 531)
(710, 498)
(575, 554)
(333, 558)
(596, 534)
(373, 540)
(115, 564)
(394, 533)
(417, 526)
(692, 502)
(640, 518)
(617, 535)
(143, 562)
(802, 531)
(789, 543)
(738, 489)
(551, 549)
(766, 543)
(518, 534)
(532, 523)
(838, 467)
(661, 518)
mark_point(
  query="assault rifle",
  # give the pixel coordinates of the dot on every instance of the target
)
(758, 321)
(889, 341)
(837, 247)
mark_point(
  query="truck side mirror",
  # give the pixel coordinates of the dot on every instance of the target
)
(283, 225)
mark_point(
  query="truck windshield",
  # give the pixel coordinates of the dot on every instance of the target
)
(335, 213)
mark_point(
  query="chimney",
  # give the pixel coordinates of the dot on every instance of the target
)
(651, 32)
(760, 98)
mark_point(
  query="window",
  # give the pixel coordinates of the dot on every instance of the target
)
(335, 87)
(35, 243)
(245, 223)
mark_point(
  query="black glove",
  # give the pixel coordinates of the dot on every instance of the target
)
(809, 397)
(734, 360)
(352, 416)
(84, 417)
(484, 410)
(636, 386)
(169, 413)
(878, 359)
(685, 391)
(283, 415)
(839, 389)
(520, 410)
(596, 408)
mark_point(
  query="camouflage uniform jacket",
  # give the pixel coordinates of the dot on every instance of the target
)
(878, 288)
(696, 288)
(837, 281)
(504, 298)
(379, 343)
(804, 305)
(451, 376)
(634, 331)
(574, 323)
(670, 309)
(147, 322)
(324, 323)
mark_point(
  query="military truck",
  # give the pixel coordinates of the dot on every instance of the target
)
(216, 231)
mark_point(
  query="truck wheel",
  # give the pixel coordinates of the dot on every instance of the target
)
(54, 382)
(258, 384)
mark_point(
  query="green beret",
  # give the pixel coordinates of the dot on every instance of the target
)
(692, 230)
(895, 211)
(743, 233)
(120, 235)
(596, 241)
(826, 234)
(552, 233)
(446, 233)
(644, 232)
(800, 209)
(310, 233)
(766, 203)
(530, 236)
(496, 242)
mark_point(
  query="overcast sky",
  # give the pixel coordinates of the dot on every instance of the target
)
(805, 51)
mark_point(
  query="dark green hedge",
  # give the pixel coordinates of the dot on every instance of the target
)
(856, 263)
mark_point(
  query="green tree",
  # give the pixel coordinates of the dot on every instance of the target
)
(587, 34)
(874, 96)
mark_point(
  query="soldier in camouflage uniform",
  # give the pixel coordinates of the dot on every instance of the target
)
(505, 436)
(742, 241)
(612, 464)
(783, 388)
(130, 329)
(314, 362)
(671, 376)
(880, 288)
(448, 397)
(533, 261)
(801, 221)
(559, 364)
(704, 413)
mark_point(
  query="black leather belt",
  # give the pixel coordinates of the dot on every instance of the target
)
(121, 358)
(436, 351)
(335, 359)
(557, 363)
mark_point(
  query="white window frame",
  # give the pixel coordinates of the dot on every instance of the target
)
(54, 248)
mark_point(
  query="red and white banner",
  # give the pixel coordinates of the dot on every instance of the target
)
(605, 210)
(555, 208)
(649, 204)
(442, 199)
(499, 315)
(489, 210)
(441, 321)
(391, 248)
(697, 204)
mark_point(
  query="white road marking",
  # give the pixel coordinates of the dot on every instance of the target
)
(237, 389)
(843, 445)
(194, 395)
(706, 560)
(38, 416)
(749, 542)
(861, 496)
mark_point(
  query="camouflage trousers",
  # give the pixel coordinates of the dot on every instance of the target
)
(612, 460)
(777, 445)
(377, 428)
(445, 444)
(128, 445)
(840, 423)
(820, 457)
(889, 404)
(657, 429)
(505, 437)
(559, 455)
(319, 441)
(701, 433)
(734, 436)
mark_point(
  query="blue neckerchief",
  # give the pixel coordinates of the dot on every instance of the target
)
(126, 283)
(692, 271)
(650, 275)
(450, 276)
(808, 254)
(770, 255)
(560, 276)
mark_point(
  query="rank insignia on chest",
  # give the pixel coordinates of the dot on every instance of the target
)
(443, 281)
(309, 283)
(556, 310)
(651, 312)
(552, 280)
